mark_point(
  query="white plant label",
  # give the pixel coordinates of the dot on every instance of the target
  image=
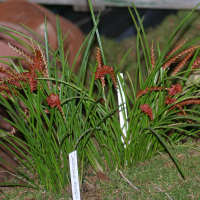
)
(122, 108)
(74, 175)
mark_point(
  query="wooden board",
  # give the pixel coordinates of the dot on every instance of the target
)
(162, 4)
(82, 5)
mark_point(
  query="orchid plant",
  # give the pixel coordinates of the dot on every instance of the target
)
(45, 109)
(60, 115)
(160, 113)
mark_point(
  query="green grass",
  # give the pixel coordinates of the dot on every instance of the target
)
(156, 178)
(25, 193)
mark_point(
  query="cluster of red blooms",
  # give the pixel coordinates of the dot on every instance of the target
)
(103, 70)
(36, 66)
(146, 109)
(187, 53)
(174, 89)
(54, 101)
(174, 58)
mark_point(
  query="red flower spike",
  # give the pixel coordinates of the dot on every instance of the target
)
(31, 76)
(28, 58)
(101, 71)
(4, 88)
(53, 100)
(186, 102)
(4, 95)
(146, 109)
(196, 63)
(156, 88)
(152, 56)
(98, 58)
(99, 74)
(12, 78)
(189, 102)
(176, 57)
(142, 92)
(182, 63)
(175, 89)
(36, 65)
(177, 48)
(169, 100)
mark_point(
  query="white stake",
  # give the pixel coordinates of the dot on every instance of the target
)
(74, 175)
(122, 109)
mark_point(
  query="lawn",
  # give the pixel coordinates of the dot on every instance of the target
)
(156, 178)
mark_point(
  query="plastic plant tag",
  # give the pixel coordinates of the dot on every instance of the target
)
(122, 108)
(74, 175)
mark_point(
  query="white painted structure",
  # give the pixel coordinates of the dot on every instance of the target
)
(82, 5)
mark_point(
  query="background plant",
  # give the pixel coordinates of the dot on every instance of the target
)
(158, 113)
(58, 113)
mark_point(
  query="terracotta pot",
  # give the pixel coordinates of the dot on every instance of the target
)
(5, 50)
(33, 16)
